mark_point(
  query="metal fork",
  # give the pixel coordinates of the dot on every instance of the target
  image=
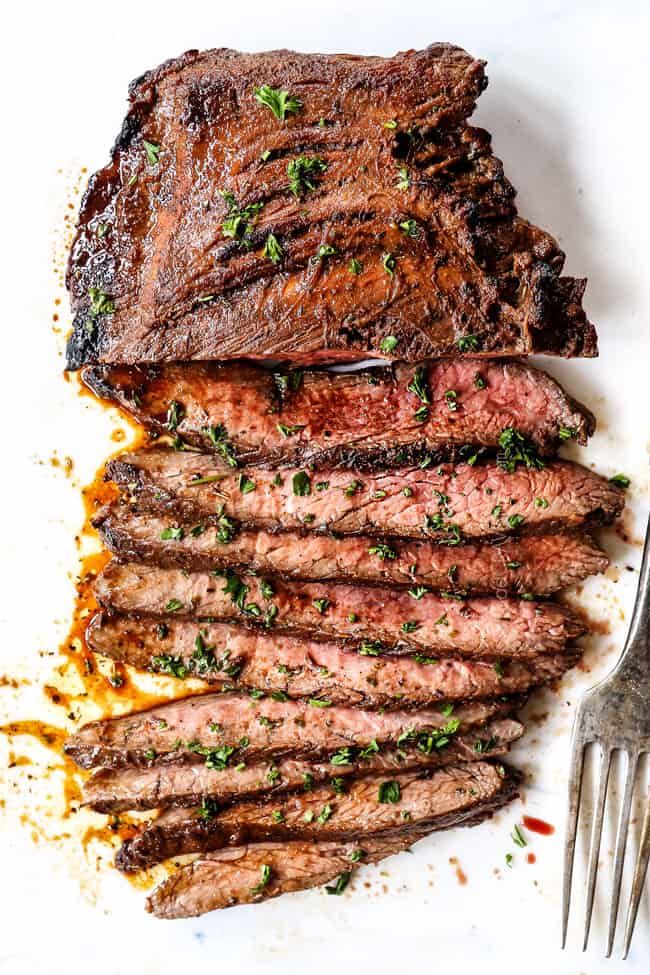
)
(615, 715)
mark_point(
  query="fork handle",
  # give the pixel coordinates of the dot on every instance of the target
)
(636, 651)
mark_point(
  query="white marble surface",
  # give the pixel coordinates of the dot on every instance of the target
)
(567, 107)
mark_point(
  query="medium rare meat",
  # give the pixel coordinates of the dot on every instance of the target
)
(520, 563)
(446, 503)
(259, 871)
(241, 875)
(224, 729)
(375, 805)
(312, 207)
(370, 617)
(182, 784)
(259, 660)
(369, 418)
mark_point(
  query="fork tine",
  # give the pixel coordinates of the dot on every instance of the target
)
(575, 789)
(596, 833)
(621, 839)
(639, 879)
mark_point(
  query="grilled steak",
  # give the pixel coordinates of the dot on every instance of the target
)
(445, 503)
(247, 874)
(182, 784)
(521, 563)
(247, 659)
(242, 875)
(355, 419)
(368, 210)
(376, 805)
(223, 729)
(376, 618)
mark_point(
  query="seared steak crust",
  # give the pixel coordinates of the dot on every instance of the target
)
(423, 797)
(245, 659)
(186, 784)
(257, 728)
(360, 419)
(355, 615)
(157, 233)
(518, 563)
(445, 503)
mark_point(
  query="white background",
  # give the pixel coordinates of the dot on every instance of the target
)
(567, 106)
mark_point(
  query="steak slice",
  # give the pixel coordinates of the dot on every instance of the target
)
(234, 875)
(222, 729)
(375, 805)
(169, 785)
(519, 563)
(219, 230)
(353, 419)
(446, 503)
(370, 618)
(258, 660)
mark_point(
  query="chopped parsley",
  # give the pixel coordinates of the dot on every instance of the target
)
(172, 533)
(272, 249)
(239, 220)
(303, 171)
(280, 102)
(388, 263)
(418, 386)
(245, 484)
(173, 606)
(265, 877)
(388, 344)
(301, 484)
(468, 343)
(321, 605)
(325, 251)
(410, 227)
(516, 449)
(518, 837)
(289, 431)
(218, 437)
(339, 884)
(515, 520)
(100, 303)
(153, 152)
(355, 266)
(451, 399)
(389, 792)
(175, 413)
(383, 551)
(620, 480)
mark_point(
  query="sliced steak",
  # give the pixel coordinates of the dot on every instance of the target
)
(368, 418)
(224, 729)
(221, 230)
(520, 563)
(182, 784)
(375, 805)
(371, 619)
(299, 667)
(242, 875)
(445, 503)
(248, 874)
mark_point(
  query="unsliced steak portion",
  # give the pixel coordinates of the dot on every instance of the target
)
(357, 615)
(259, 871)
(224, 729)
(367, 418)
(245, 659)
(518, 563)
(221, 230)
(166, 785)
(446, 503)
(375, 805)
